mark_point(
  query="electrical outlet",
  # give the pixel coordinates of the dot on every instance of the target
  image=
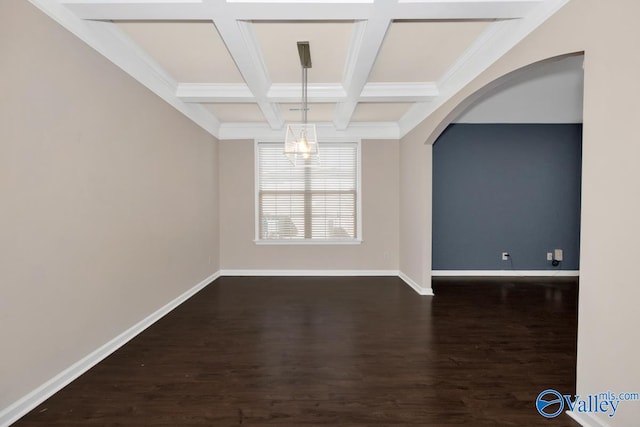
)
(557, 254)
(549, 256)
(505, 256)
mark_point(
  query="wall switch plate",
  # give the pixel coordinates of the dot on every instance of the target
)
(505, 256)
(549, 256)
(557, 254)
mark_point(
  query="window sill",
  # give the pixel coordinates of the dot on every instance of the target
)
(308, 242)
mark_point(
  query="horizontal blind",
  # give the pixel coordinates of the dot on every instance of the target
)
(316, 201)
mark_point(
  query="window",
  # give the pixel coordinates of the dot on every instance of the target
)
(313, 203)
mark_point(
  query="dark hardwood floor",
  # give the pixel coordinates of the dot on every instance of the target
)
(337, 351)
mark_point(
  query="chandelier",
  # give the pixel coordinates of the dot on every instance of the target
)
(301, 140)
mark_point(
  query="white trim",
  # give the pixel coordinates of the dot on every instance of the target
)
(505, 273)
(316, 92)
(243, 45)
(297, 1)
(215, 92)
(305, 273)
(256, 185)
(294, 10)
(326, 131)
(25, 404)
(586, 420)
(365, 45)
(398, 92)
(359, 215)
(419, 289)
(304, 242)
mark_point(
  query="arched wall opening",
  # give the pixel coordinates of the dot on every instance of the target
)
(507, 176)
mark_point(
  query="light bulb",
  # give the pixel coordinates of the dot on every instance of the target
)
(304, 145)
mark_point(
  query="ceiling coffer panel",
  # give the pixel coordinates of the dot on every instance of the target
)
(191, 52)
(318, 112)
(329, 42)
(422, 51)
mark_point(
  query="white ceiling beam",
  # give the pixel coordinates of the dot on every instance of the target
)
(244, 48)
(326, 131)
(398, 92)
(365, 44)
(464, 9)
(302, 10)
(281, 92)
(316, 93)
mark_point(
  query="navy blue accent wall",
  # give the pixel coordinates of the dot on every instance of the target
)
(506, 187)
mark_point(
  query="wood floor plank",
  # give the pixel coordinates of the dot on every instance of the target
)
(354, 351)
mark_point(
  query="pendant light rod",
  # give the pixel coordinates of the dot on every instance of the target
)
(301, 139)
(304, 52)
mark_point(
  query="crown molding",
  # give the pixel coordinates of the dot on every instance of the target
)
(214, 92)
(360, 130)
(318, 92)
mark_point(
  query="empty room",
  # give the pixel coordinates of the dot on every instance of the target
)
(350, 213)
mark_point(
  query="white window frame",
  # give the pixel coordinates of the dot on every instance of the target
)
(356, 241)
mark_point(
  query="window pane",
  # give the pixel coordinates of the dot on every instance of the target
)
(315, 201)
(334, 215)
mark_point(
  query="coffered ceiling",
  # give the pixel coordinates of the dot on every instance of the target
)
(380, 67)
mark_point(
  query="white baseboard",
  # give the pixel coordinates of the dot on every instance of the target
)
(25, 404)
(419, 289)
(505, 273)
(276, 273)
(586, 420)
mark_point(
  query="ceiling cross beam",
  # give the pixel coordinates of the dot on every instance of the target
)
(317, 93)
(366, 42)
(244, 48)
(296, 10)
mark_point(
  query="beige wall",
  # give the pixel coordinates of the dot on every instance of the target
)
(415, 209)
(108, 201)
(608, 345)
(378, 251)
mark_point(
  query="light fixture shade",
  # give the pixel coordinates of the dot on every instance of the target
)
(301, 142)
